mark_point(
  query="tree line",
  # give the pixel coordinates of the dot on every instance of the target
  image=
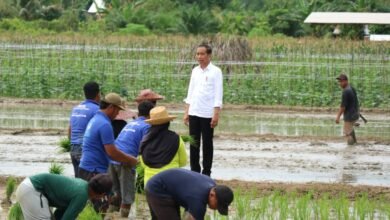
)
(253, 18)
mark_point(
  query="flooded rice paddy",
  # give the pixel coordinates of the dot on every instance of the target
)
(249, 145)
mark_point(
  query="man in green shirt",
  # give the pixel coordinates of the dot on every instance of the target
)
(68, 195)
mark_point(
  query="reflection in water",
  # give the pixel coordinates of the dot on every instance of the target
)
(247, 122)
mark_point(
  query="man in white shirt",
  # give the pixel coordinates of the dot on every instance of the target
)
(204, 102)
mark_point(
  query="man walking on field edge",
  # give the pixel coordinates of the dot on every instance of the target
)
(349, 107)
(204, 102)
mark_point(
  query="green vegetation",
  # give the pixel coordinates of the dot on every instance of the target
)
(10, 188)
(188, 17)
(188, 139)
(15, 212)
(281, 206)
(56, 168)
(89, 213)
(270, 71)
(64, 145)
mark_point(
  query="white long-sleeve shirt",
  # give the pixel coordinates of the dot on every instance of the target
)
(205, 91)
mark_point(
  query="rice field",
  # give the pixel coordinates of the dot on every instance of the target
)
(273, 72)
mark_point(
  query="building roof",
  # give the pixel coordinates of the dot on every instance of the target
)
(348, 18)
(96, 6)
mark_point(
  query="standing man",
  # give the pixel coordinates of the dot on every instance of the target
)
(80, 116)
(170, 189)
(36, 194)
(123, 176)
(349, 107)
(98, 143)
(204, 102)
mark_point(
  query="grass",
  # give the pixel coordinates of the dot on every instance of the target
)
(10, 188)
(64, 145)
(287, 72)
(56, 168)
(15, 212)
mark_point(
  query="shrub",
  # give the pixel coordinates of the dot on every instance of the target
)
(51, 12)
(135, 29)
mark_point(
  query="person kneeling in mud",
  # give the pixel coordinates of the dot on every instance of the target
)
(68, 195)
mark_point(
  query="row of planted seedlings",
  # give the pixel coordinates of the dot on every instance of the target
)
(265, 73)
(279, 205)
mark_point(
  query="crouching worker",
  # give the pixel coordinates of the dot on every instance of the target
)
(68, 195)
(170, 189)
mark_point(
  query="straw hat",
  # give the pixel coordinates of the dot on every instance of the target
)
(148, 94)
(159, 115)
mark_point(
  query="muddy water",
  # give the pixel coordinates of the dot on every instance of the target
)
(250, 159)
(22, 116)
(239, 154)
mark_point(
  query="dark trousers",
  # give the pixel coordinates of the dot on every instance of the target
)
(162, 208)
(75, 156)
(200, 128)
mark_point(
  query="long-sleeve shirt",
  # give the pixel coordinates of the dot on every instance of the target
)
(205, 91)
(179, 160)
(66, 194)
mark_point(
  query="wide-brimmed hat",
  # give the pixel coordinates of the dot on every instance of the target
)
(224, 198)
(114, 99)
(159, 115)
(148, 95)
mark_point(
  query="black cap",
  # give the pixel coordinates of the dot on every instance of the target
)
(224, 198)
(342, 77)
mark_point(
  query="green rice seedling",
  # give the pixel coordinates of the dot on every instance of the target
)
(89, 213)
(361, 207)
(64, 145)
(323, 204)
(188, 139)
(139, 184)
(341, 207)
(242, 202)
(283, 207)
(15, 212)
(262, 206)
(56, 168)
(303, 206)
(10, 188)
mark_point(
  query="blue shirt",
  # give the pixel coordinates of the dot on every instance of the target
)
(98, 133)
(131, 136)
(188, 189)
(79, 118)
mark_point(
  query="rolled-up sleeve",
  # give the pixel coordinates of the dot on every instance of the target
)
(218, 89)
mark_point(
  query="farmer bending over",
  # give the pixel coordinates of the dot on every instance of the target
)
(68, 195)
(170, 189)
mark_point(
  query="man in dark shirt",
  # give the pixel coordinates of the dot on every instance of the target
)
(170, 189)
(349, 108)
